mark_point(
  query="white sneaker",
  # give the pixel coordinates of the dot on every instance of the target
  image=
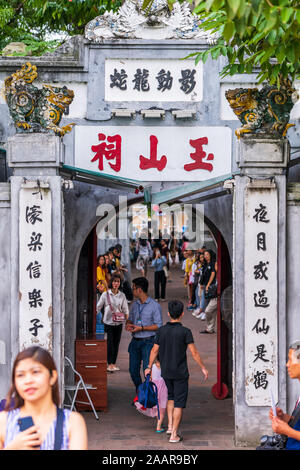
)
(196, 312)
(203, 316)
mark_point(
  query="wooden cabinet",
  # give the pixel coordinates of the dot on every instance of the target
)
(91, 363)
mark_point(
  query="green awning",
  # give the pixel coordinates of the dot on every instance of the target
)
(117, 182)
(189, 189)
(103, 179)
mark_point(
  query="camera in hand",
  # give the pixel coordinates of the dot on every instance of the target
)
(275, 442)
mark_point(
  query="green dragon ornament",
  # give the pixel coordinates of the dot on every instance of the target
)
(34, 109)
(263, 111)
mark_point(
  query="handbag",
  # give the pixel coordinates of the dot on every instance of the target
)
(278, 441)
(191, 278)
(58, 439)
(211, 292)
(165, 270)
(147, 395)
(117, 316)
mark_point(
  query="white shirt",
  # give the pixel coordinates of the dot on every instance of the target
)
(118, 302)
(144, 250)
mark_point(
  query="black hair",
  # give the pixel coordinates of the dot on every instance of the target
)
(38, 354)
(143, 241)
(141, 282)
(114, 276)
(175, 309)
(98, 258)
(212, 255)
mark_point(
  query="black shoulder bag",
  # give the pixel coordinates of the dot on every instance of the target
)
(58, 440)
(211, 292)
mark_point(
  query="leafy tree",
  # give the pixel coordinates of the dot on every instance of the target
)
(32, 21)
(252, 34)
(263, 34)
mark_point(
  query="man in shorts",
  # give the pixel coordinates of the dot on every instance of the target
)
(171, 342)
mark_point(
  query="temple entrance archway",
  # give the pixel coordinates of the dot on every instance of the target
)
(220, 346)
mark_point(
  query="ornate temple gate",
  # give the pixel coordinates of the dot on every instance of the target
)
(154, 122)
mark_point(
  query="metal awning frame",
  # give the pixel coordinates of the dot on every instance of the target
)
(190, 189)
(103, 179)
(175, 194)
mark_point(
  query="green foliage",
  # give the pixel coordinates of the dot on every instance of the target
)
(31, 21)
(254, 34)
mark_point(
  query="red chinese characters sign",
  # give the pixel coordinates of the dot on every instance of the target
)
(151, 154)
(110, 149)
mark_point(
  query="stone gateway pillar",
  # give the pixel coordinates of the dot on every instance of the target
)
(37, 235)
(259, 284)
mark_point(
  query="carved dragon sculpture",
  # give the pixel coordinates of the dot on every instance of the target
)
(34, 109)
(266, 110)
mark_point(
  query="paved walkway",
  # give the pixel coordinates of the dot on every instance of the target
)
(207, 423)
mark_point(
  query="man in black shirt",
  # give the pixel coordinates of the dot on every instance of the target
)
(172, 341)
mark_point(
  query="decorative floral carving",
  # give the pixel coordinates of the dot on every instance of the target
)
(131, 22)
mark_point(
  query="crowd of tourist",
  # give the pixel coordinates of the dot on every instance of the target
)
(200, 278)
(156, 350)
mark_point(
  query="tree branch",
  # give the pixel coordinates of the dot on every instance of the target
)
(17, 9)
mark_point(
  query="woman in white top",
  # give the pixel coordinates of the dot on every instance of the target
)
(144, 253)
(113, 301)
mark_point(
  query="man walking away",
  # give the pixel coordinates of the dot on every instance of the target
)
(172, 341)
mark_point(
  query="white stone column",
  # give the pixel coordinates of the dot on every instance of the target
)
(259, 284)
(35, 159)
(5, 279)
(293, 290)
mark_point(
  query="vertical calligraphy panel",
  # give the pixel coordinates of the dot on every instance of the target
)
(261, 291)
(35, 266)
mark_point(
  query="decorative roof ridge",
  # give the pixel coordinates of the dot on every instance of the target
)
(159, 22)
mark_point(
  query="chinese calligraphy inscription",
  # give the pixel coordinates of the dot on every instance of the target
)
(151, 153)
(261, 213)
(153, 80)
(35, 279)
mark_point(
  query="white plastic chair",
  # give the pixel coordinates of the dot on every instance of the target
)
(75, 387)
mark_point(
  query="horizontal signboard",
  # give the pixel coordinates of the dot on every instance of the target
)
(153, 80)
(154, 153)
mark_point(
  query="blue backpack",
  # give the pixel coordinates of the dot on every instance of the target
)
(147, 394)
